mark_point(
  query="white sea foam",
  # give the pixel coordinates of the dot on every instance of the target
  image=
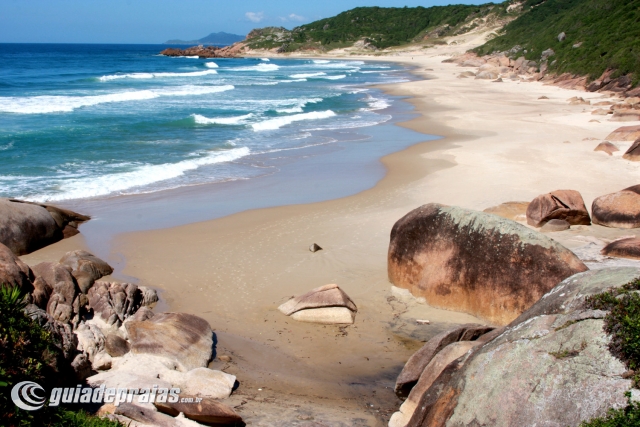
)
(64, 104)
(342, 76)
(237, 120)
(307, 75)
(141, 176)
(156, 75)
(293, 81)
(278, 122)
(6, 147)
(299, 106)
(320, 61)
(265, 59)
(259, 67)
(211, 65)
(377, 104)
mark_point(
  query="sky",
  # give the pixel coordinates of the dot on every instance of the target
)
(156, 21)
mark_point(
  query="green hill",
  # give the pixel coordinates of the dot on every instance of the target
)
(380, 27)
(600, 35)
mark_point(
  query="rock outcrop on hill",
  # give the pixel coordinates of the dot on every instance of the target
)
(475, 262)
(232, 51)
(620, 209)
(550, 366)
(567, 205)
(26, 227)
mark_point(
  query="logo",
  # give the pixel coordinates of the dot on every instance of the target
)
(28, 395)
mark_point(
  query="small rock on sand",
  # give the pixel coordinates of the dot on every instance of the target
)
(606, 147)
(315, 247)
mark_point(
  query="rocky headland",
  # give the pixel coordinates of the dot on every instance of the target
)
(234, 51)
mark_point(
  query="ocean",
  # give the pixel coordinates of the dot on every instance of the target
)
(93, 122)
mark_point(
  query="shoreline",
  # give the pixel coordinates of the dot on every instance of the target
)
(500, 143)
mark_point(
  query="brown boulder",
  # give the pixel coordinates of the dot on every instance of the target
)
(560, 204)
(606, 147)
(625, 115)
(116, 346)
(515, 211)
(180, 336)
(633, 153)
(619, 210)
(61, 303)
(86, 268)
(53, 273)
(420, 359)
(625, 133)
(14, 272)
(208, 412)
(114, 302)
(555, 225)
(624, 248)
(475, 262)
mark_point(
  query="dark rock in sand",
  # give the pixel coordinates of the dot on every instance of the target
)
(441, 253)
(116, 346)
(551, 366)
(621, 209)
(633, 153)
(86, 268)
(560, 204)
(179, 336)
(208, 412)
(315, 247)
(555, 225)
(420, 359)
(607, 147)
(623, 248)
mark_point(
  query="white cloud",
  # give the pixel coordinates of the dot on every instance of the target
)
(254, 16)
(295, 17)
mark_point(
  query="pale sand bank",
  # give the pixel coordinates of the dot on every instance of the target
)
(501, 144)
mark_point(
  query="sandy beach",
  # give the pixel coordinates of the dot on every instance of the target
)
(500, 143)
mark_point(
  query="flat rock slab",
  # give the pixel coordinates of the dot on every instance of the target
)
(180, 336)
(567, 205)
(208, 412)
(619, 210)
(515, 211)
(434, 252)
(623, 248)
(324, 296)
(419, 360)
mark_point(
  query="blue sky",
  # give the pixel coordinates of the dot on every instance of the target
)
(155, 21)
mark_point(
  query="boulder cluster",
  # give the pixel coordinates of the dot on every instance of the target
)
(233, 51)
(108, 336)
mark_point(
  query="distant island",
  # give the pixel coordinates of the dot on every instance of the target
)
(219, 39)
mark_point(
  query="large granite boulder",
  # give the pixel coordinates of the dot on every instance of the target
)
(178, 336)
(475, 262)
(26, 227)
(63, 305)
(623, 248)
(625, 133)
(13, 272)
(633, 153)
(327, 305)
(551, 366)
(620, 210)
(86, 268)
(419, 360)
(560, 204)
(113, 303)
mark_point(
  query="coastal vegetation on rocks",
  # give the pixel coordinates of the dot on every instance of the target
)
(587, 37)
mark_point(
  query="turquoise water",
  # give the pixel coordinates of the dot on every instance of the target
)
(88, 122)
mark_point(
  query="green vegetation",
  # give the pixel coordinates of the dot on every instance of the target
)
(625, 417)
(600, 35)
(380, 27)
(28, 353)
